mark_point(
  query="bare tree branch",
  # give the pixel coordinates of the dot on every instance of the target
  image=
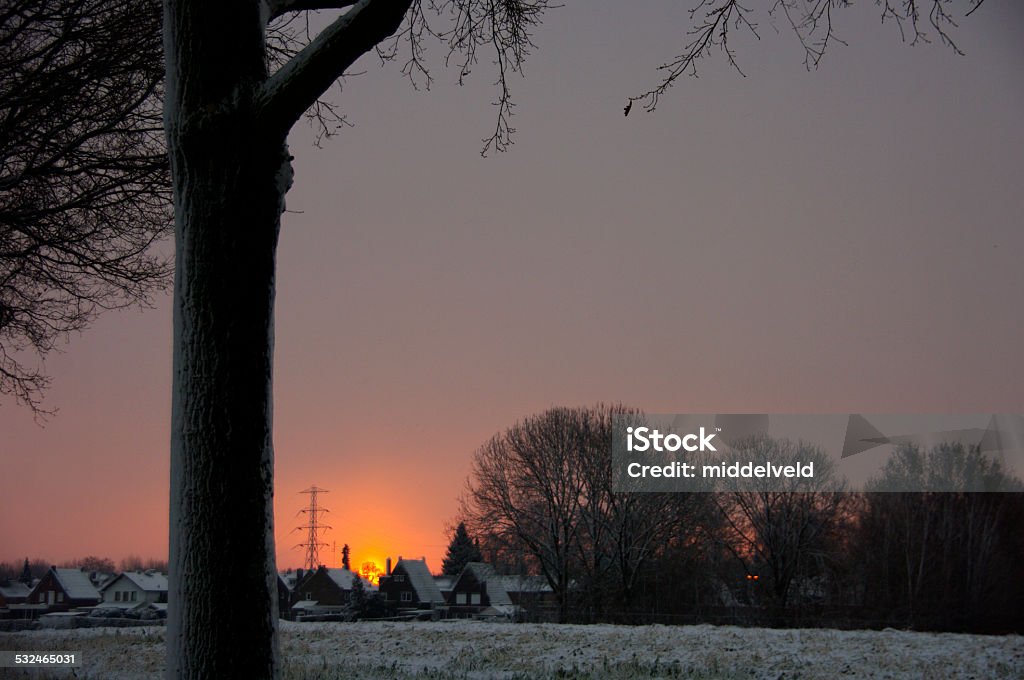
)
(714, 22)
(297, 85)
(277, 8)
(84, 187)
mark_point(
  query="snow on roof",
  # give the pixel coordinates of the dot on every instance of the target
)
(526, 584)
(344, 579)
(148, 581)
(76, 584)
(421, 580)
(444, 582)
(494, 583)
(14, 589)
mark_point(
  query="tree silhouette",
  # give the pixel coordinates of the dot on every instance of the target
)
(84, 185)
(461, 551)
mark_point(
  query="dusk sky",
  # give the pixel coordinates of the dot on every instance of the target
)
(842, 240)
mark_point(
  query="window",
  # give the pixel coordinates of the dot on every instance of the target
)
(460, 598)
(406, 596)
(117, 596)
(399, 578)
(135, 594)
(60, 597)
(474, 598)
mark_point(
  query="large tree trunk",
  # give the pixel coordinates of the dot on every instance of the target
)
(230, 177)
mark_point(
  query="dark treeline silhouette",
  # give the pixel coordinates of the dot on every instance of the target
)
(539, 500)
(38, 567)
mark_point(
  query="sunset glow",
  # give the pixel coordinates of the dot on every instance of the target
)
(786, 242)
(371, 572)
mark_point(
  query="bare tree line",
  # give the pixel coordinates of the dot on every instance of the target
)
(38, 567)
(540, 499)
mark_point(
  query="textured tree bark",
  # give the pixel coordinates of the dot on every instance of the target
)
(230, 177)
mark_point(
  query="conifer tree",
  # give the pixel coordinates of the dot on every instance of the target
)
(461, 551)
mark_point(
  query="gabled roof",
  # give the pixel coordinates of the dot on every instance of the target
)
(76, 584)
(13, 590)
(344, 578)
(494, 583)
(148, 581)
(421, 580)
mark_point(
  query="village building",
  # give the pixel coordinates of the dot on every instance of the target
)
(133, 588)
(64, 589)
(410, 586)
(324, 592)
(13, 592)
(480, 592)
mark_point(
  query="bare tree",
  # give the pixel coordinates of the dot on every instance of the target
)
(787, 529)
(544, 488)
(940, 554)
(84, 185)
(92, 563)
(527, 487)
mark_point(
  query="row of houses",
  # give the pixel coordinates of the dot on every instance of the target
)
(410, 590)
(63, 590)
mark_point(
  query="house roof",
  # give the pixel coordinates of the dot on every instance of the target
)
(526, 584)
(344, 578)
(14, 590)
(494, 583)
(76, 584)
(421, 580)
(149, 581)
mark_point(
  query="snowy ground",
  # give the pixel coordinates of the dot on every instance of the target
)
(471, 650)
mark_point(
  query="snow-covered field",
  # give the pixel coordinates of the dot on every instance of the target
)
(468, 649)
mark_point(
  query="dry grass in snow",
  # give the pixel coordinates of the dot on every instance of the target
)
(467, 649)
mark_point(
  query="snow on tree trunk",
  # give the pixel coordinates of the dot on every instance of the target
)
(229, 182)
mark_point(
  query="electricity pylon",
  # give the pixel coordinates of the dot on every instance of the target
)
(313, 527)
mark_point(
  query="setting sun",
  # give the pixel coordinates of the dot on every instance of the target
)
(371, 572)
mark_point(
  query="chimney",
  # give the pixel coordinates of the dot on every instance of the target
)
(387, 566)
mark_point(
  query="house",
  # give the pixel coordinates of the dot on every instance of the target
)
(14, 600)
(13, 592)
(533, 597)
(478, 589)
(410, 586)
(134, 587)
(325, 591)
(287, 582)
(64, 589)
(481, 592)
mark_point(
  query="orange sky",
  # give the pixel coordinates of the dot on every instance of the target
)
(846, 240)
